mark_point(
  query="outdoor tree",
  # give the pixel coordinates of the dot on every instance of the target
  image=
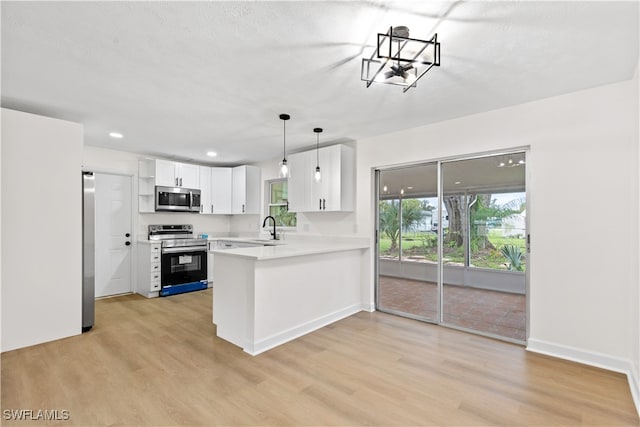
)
(483, 209)
(413, 212)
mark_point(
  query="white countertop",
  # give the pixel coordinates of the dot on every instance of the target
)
(256, 240)
(292, 248)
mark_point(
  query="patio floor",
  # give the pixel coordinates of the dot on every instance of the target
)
(498, 313)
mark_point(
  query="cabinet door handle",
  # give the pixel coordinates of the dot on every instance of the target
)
(180, 182)
(211, 208)
(320, 207)
(243, 208)
(176, 181)
(324, 204)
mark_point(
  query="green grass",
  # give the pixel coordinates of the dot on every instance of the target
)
(424, 244)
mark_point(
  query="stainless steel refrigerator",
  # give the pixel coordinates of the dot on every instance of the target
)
(88, 249)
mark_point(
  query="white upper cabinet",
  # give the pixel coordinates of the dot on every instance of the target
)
(301, 170)
(221, 190)
(215, 187)
(335, 191)
(245, 197)
(188, 175)
(174, 174)
(205, 190)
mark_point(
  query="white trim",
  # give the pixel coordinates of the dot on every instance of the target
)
(134, 222)
(592, 358)
(300, 330)
(632, 377)
(369, 307)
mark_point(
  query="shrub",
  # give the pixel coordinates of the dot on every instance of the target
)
(514, 257)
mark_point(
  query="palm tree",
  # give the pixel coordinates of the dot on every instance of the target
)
(413, 212)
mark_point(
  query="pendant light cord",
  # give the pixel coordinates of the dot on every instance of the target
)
(317, 149)
(284, 140)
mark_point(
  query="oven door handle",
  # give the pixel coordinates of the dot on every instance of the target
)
(184, 249)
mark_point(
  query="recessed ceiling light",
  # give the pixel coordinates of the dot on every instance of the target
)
(115, 135)
(409, 188)
(211, 153)
(457, 182)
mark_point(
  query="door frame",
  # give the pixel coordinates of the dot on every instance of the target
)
(440, 269)
(134, 219)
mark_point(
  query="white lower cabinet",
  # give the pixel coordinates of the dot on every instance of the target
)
(149, 267)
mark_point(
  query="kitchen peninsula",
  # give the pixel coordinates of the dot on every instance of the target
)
(267, 295)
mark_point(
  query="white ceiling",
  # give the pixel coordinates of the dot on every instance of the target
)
(182, 78)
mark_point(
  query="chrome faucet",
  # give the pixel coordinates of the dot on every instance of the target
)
(264, 223)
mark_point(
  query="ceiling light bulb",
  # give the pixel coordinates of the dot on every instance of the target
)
(521, 162)
(317, 175)
(401, 191)
(457, 183)
(501, 164)
(409, 188)
(211, 153)
(115, 135)
(510, 161)
(284, 169)
(384, 188)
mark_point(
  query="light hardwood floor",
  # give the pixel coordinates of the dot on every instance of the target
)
(158, 362)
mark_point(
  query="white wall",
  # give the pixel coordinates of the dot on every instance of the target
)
(42, 200)
(583, 154)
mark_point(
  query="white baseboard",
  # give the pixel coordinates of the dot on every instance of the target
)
(370, 307)
(634, 386)
(300, 330)
(592, 358)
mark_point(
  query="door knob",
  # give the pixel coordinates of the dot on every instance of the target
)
(127, 243)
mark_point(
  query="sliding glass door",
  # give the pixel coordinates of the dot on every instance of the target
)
(408, 242)
(462, 265)
(483, 245)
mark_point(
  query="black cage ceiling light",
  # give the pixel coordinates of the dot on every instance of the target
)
(400, 60)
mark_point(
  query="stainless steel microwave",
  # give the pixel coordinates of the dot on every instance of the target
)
(177, 199)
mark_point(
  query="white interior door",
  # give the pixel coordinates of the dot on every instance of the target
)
(113, 234)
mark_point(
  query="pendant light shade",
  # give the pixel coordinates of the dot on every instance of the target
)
(317, 175)
(284, 168)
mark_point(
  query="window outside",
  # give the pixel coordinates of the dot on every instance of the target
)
(279, 204)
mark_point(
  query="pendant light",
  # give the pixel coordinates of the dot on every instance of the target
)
(284, 168)
(317, 175)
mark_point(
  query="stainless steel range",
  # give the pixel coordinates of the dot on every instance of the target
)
(183, 266)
